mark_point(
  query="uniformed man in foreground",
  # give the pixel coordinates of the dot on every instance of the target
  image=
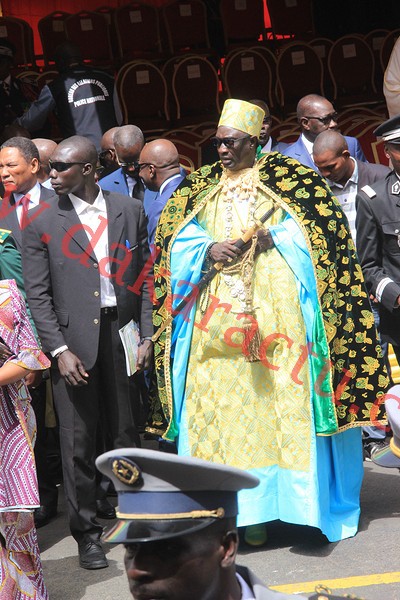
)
(378, 237)
(177, 521)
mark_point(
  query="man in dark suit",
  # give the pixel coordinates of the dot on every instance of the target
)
(160, 170)
(20, 165)
(85, 279)
(345, 175)
(128, 143)
(316, 114)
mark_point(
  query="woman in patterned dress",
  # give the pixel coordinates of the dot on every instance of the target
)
(21, 576)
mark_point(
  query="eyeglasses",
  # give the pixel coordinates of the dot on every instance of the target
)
(229, 142)
(63, 166)
(129, 165)
(141, 166)
(104, 153)
(326, 120)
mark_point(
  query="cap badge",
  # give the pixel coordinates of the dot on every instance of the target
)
(126, 471)
(396, 188)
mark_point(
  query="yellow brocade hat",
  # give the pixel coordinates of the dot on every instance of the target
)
(243, 116)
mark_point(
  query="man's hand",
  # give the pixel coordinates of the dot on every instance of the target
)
(145, 354)
(72, 369)
(375, 301)
(265, 241)
(224, 252)
(4, 352)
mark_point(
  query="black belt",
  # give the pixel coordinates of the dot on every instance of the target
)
(109, 310)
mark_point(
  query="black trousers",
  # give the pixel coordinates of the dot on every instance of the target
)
(109, 399)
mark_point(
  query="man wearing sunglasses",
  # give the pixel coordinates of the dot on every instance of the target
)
(315, 114)
(128, 143)
(82, 258)
(239, 369)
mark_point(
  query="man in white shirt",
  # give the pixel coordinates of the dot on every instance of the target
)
(19, 168)
(85, 276)
(345, 175)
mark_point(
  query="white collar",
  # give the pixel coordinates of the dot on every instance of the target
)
(80, 205)
(164, 183)
(34, 194)
(309, 145)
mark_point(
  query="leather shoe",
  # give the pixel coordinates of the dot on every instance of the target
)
(91, 555)
(105, 510)
(43, 515)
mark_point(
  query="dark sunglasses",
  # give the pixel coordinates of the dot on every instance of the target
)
(104, 153)
(229, 142)
(63, 166)
(326, 120)
(129, 165)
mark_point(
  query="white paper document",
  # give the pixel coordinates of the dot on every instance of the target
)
(130, 337)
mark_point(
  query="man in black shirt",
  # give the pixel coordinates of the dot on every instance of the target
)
(83, 98)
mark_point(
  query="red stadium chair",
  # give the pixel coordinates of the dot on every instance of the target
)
(142, 91)
(52, 33)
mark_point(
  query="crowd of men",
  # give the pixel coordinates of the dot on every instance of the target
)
(262, 368)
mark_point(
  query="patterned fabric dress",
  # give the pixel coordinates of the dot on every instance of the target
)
(21, 576)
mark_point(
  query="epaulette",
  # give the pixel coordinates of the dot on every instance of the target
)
(367, 189)
(4, 233)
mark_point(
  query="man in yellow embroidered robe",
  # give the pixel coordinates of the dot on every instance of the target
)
(275, 365)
